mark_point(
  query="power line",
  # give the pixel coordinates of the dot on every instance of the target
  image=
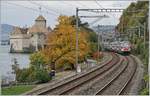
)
(98, 4)
(103, 7)
(30, 8)
(70, 4)
(48, 8)
(43, 7)
(82, 4)
(98, 19)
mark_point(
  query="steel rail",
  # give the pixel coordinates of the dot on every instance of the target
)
(99, 92)
(48, 91)
(67, 91)
(130, 78)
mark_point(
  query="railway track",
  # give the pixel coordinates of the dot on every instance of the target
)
(78, 80)
(117, 85)
(89, 88)
(107, 79)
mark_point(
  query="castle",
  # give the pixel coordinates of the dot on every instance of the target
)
(29, 39)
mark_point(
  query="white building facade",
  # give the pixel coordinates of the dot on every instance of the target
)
(29, 39)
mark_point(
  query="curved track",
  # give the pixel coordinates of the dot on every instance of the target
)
(118, 83)
(67, 85)
(109, 78)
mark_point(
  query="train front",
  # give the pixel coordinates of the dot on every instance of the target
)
(125, 47)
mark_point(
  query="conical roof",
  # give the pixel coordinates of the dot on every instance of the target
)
(40, 18)
(16, 30)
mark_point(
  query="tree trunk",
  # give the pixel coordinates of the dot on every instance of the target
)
(52, 65)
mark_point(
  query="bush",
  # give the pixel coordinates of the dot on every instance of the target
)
(68, 66)
(26, 75)
(30, 75)
(96, 54)
(144, 91)
(42, 76)
(22, 76)
(36, 72)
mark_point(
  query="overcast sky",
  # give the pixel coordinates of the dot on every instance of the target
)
(21, 13)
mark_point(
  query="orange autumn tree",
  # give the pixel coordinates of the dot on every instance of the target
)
(61, 44)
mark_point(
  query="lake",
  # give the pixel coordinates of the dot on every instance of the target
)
(6, 60)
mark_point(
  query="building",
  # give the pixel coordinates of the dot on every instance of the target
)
(29, 39)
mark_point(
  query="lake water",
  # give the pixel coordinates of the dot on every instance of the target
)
(6, 60)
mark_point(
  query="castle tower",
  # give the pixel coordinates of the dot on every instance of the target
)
(40, 21)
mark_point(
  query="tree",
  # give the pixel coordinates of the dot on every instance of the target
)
(15, 68)
(38, 64)
(37, 61)
(61, 43)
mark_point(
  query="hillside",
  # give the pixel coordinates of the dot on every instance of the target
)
(135, 25)
(134, 16)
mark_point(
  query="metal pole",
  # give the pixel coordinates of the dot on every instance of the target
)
(77, 41)
(102, 42)
(98, 44)
(139, 31)
(144, 34)
(122, 24)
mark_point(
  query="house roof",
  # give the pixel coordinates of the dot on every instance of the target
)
(18, 30)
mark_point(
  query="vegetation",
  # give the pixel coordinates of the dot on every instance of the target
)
(15, 68)
(36, 73)
(16, 90)
(60, 51)
(133, 21)
(145, 91)
(61, 43)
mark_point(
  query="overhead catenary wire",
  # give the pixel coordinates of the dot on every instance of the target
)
(103, 7)
(76, 4)
(99, 4)
(48, 8)
(82, 4)
(37, 4)
(30, 8)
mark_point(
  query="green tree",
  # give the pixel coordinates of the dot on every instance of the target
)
(37, 61)
(15, 68)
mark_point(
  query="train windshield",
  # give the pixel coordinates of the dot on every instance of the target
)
(125, 44)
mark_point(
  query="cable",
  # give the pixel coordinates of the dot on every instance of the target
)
(99, 4)
(30, 8)
(103, 7)
(82, 4)
(46, 7)
(98, 19)
(43, 6)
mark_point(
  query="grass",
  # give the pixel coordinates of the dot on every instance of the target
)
(16, 90)
(144, 91)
